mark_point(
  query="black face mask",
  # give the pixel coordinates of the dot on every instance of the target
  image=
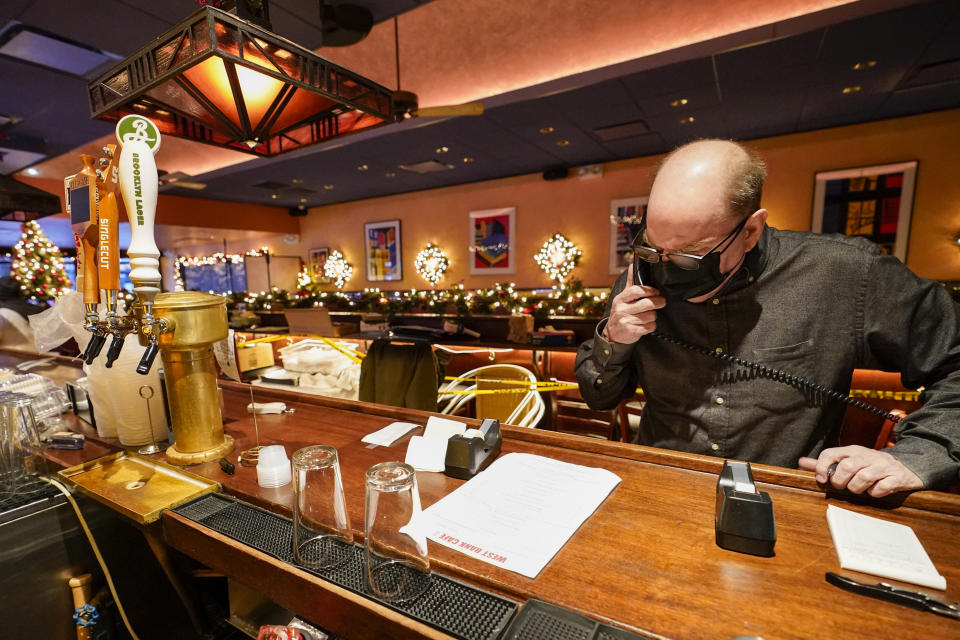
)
(675, 283)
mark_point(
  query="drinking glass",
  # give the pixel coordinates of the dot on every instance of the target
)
(20, 446)
(398, 568)
(322, 537)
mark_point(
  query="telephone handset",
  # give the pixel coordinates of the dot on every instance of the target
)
(819, 391)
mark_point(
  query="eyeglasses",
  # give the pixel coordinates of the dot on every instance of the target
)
(685, 261)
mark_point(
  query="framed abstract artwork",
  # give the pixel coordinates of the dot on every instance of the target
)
(382, 244)
(622, 211)
(492, 234)
(875, 203)
(318, 258)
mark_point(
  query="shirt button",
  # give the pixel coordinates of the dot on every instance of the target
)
(719, 400)
(599, 380)
(719, 349)
(715, 446)
(751, 279)
(606, 352)
(716, 301)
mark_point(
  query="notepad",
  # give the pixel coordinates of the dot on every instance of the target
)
(881, 548)
(389, 434)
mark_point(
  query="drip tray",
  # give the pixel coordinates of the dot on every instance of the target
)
(458, 609)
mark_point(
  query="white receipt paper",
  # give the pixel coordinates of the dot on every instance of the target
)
(389, 434)
(881, 548)
(518, 512)
(429, 452)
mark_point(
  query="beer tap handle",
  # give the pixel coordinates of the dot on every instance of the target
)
(140, 140)
(84, 216)
(149, 355)
(108, 257)
(116, 345)
(94, 347)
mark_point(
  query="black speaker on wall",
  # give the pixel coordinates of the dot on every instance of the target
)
(555, 173)
(298, 211)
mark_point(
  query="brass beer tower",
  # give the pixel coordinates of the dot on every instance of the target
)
(192, 322)
(182, 325)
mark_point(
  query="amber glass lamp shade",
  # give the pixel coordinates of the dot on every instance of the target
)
(218, 79)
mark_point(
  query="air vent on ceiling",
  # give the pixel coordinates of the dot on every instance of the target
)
(271, 185)
(427, 166)
(47, 49)
(621, 131)
(931, 74)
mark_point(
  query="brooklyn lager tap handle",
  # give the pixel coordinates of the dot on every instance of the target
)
(140, 140)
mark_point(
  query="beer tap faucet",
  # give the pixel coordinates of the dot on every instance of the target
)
(140, 140)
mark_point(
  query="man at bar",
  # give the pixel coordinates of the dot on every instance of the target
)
(816, 306)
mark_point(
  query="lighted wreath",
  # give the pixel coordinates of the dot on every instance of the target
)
(431, 263)
(557, 257)
(337, 269)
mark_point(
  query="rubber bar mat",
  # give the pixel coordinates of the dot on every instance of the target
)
(453, 607)
(539, 620)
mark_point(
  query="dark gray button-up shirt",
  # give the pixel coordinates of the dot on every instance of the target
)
(816, 306)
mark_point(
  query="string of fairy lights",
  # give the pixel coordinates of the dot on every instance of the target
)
(38, 265)
(431, 263)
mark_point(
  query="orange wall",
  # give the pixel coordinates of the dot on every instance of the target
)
(580, 209)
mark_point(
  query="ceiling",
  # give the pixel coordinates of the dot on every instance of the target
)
(784, 78)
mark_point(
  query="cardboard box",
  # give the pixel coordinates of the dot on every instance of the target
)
(254, 356)
(316, 321)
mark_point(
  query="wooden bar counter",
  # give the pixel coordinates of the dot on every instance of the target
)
(645, 561)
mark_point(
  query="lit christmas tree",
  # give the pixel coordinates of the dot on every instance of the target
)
(38, 265)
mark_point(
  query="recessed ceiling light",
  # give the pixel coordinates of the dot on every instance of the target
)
(391, 174)
(32, 172)
(679, 102)
(297, 181)
(854, 89)
(687, 120)
(362, 167)
(563, 143)
(274, 196)
(443, 149)
(468, 159)
(328, 187)
(303, 200)
(860, 66)
(546, 129)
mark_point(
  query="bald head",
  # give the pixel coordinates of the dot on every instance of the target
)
(720, 170)
(700, 192)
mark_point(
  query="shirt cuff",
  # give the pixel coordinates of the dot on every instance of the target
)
(609, 354)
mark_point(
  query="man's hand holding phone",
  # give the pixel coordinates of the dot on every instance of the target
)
(633, 312)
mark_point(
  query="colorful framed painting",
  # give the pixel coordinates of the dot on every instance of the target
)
(875, 203)
(621, 212)
(318, 258)
(492, 234)
(382, 244)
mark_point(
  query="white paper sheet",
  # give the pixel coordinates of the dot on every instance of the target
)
(225, 352)
(443, 428)
(426, 454)
(518, 512)
(389, 434)
(881, 548)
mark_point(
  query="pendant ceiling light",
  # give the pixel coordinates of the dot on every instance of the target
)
(223, 80)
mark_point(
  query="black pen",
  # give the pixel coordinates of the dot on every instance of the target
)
(897, 595)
